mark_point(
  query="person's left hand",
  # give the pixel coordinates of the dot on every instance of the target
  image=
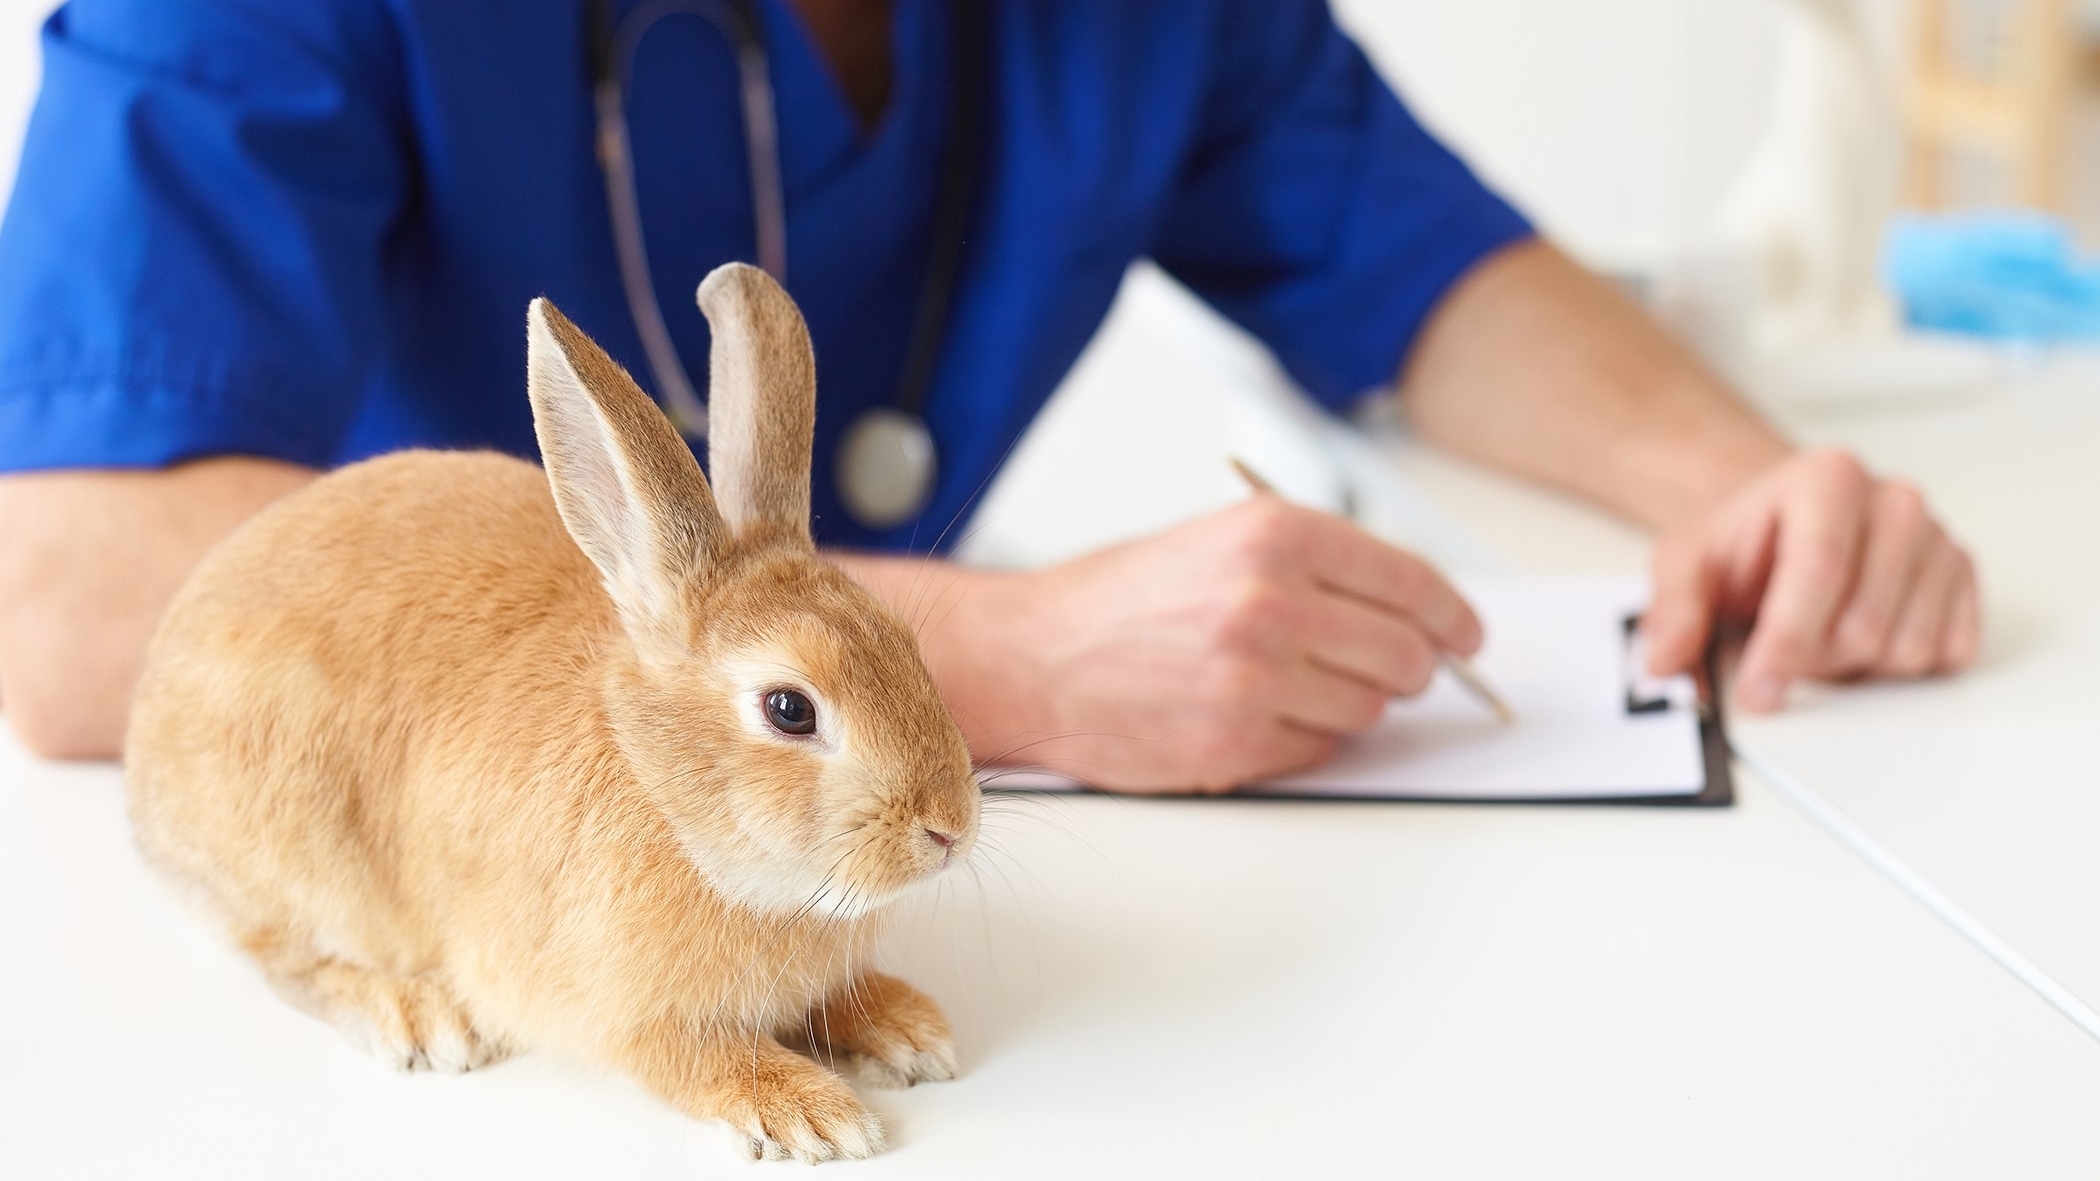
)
(1846, 575)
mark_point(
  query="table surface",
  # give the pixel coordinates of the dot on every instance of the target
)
(1990, 784)
(1243, 988)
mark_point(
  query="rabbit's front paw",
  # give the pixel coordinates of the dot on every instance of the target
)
(894, 1034)
(789, 1107)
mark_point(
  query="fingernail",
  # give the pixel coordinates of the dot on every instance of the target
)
(1763, 694)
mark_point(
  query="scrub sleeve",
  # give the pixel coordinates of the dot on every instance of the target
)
(193, 263)
(1314, 211)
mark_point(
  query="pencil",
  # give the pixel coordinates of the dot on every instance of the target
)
(1458, 666)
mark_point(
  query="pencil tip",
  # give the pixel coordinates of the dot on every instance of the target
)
(1253, 478)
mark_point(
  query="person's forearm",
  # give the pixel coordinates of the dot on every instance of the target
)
(88, 560)
(1536, 366)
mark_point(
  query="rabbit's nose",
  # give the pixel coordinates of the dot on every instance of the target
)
(943, 839)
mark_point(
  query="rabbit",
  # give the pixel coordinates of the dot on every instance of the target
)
(471, 758)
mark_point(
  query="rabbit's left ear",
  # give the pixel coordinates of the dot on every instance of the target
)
(628, 488)
(761, 405)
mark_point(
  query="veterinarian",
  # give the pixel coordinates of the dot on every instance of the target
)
(251, 241)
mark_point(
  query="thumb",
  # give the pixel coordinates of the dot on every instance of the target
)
(1681, 616)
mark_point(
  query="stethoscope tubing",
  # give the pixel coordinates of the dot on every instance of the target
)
(738, 24)
(887, 458)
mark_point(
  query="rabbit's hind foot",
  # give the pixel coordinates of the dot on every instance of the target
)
(407, 1022)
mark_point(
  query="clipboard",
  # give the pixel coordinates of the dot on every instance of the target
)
(1591, 728)
(1713, 734)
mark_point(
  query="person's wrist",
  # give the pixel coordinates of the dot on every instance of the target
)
(974, 636)
(1031, 618)
(1713, 464)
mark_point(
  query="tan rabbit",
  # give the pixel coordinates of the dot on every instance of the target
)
(624, 770)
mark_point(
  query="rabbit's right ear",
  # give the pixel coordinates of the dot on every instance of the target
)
(626, 485)
(761, 405)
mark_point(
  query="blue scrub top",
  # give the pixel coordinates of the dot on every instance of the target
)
(309, 230)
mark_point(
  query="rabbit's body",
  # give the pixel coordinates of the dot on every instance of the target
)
(461, 784)
(359, 846)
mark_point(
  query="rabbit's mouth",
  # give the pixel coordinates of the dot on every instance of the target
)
(845, 877)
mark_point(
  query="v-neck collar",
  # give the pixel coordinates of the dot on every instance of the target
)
(821, 138)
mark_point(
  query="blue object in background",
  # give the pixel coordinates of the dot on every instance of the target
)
(2003, 275)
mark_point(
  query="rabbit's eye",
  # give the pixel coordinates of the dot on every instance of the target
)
(790, 712)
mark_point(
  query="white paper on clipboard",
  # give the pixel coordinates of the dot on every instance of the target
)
(1557, 651)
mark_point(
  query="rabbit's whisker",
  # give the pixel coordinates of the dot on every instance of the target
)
(954, 519)
(927, 626)
(970, 501)
(785, 926)
(1020, 745)
(765, 1005)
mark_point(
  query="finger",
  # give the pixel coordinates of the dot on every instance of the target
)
(1321, 700)
(1964, 638)
(1900, 536)
(1813, 567)
(1353, 562)
(1921, 631)
(1388, 652)
(1680, 618)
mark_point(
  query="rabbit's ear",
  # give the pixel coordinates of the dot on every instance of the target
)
(626, 485)
(761, 405)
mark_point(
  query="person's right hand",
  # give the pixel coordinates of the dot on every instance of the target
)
(1241, 645)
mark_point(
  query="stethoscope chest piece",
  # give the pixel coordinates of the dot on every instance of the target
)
(886, 462)
(885, 467)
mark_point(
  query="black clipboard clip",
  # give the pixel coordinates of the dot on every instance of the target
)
(1647, 694)
(1654, 695)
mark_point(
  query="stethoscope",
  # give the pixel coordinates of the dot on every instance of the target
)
(886, 463)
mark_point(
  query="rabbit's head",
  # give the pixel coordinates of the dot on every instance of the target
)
(776, 714)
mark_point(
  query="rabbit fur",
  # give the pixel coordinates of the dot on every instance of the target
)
(472, 758)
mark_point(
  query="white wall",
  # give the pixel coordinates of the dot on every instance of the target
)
(1615, 122)
(18, 76)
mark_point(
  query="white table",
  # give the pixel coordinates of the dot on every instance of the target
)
(1171, 988)
(1152, 988)
(1989, 784)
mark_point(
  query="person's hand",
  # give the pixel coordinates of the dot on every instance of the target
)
(1846, 576)
(1240, 645)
